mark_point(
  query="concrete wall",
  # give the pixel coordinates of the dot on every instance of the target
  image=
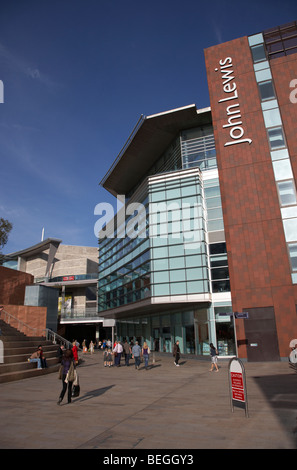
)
(69, 260)
(42, 296)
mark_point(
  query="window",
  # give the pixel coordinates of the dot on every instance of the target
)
(281, 40)
(266, 90)
(287, 193)
(276, 138)
(282, 170)
(290, 227)
(258, 53)
(219, 267)
(272, 118)
(293, 255)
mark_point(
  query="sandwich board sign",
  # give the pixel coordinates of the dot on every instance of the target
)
(237, 385)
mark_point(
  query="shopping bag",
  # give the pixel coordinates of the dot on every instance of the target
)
(76, 391)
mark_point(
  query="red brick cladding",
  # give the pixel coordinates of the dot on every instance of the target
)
(257, 254)
(12, 286)
(12, 295)
(34, 317)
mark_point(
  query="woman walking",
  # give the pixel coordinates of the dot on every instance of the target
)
(67, 375)
(176, 353)
(145, 353)
(214, 358)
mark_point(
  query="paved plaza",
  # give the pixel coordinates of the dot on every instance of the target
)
(164, 407)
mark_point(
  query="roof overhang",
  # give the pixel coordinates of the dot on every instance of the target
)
(151, 306)
(35, 249)
(150, 138)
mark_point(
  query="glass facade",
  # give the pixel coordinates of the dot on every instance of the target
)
(281, 41)
(173, 261)
(177, 235)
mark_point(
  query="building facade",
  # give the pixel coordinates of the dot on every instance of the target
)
(163, 269)
(254, 115)
(208, 230)
(70, 270)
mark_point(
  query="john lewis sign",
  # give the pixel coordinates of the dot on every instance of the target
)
(234, 121)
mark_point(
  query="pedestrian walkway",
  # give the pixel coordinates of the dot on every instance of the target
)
(164, 407)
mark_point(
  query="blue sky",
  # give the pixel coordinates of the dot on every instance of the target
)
(77, 75)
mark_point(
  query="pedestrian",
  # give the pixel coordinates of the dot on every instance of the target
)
(75, 352)
(84, 346)
(67, 375)
(127, 352)
(118, 350)
(107, 357)
(176, 353)
(136, 351)
(91, 346)
(214, 358)
(145, 353)
(42, 357)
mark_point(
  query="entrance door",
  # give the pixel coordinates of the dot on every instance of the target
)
(261, 335)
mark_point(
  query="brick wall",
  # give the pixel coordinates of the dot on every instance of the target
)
(34, 317)
(257, 253)
(12, 286)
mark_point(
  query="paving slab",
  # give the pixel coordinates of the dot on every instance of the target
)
(164, 407)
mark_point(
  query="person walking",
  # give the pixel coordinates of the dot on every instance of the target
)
(145, 353)
(214, 358)
(176, 353)
(127, 352)
(118, 350)
(136, 351)
(75, 352)
(67, 375)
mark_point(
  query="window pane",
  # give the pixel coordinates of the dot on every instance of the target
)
(255, 39)
(282, 170)
(213, 202)
(258, 53)
(214, 225)
(162, 276)
(290, 226)
(290, 42)
(178, 288)
(266, 90)
(287, 193)
(217, 248)
(276, 138)
(293, 256)
(275, 47)
(177, 275)
(263, 75)
(272, 118)
(216, 213)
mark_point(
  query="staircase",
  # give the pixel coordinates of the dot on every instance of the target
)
(18, 348)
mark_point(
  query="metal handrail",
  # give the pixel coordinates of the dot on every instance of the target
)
(45, 332)
(57, 339)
